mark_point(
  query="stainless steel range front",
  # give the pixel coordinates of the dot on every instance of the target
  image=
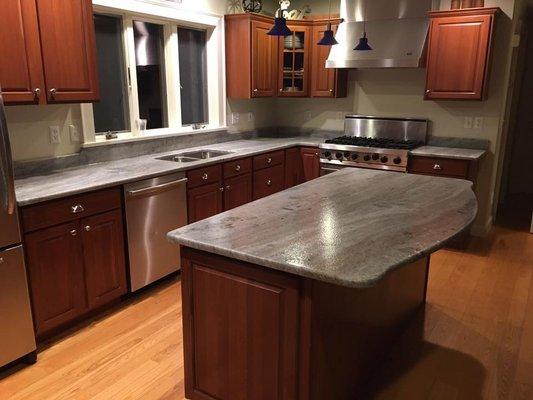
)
(372, 142)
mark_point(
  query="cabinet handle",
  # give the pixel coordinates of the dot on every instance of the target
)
(228, 187)
(269, 183)
(269, 160)
(53, 92)
(37, 93)
(87, 228)
(437, 167)
(221, 189)
(205, 176)
(76, 209)
(237, 168)
(74, 232)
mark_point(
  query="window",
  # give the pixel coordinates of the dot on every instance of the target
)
(193, 76)
(111, 112)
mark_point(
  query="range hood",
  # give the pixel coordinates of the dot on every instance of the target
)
(397, 30)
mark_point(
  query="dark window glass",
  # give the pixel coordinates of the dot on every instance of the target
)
(150, 74)
(193, 76)
(111, 112)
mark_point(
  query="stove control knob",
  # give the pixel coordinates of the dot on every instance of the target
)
(375, 156)
(366, 158)
(384, 159)
(347, 154)
(338, 155)
(397, 160)
(355, 156)
(327, 154)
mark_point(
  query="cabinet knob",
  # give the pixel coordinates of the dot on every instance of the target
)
(87, 228)
(428, 91)
(74, 232)
(331, 90)
(269, 183)
(256, 90)
(77, 208)
(437, 167)
(228, 187)
(37, 93)
(205, 176)
(281, 90)
(53, 92)
(269, 160)
(221, 189)
(237, 168)
(1, 261)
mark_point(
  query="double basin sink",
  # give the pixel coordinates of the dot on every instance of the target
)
(194, 156)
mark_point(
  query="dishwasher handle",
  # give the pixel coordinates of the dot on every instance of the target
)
(164, 187)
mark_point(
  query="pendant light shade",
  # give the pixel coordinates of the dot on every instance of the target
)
(363, 44)
(329, 37)
(280, 28)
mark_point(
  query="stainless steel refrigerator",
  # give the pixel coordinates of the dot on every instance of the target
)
(17, 338)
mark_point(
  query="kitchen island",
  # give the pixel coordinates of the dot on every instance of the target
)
(299, 295)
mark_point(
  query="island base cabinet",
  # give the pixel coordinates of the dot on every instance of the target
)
(256, 333)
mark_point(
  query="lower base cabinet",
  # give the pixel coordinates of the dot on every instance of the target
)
(269, 181)
(237, 191)
(310, 163)
(205, 201)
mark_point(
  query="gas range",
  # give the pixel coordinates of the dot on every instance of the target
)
(371, 142)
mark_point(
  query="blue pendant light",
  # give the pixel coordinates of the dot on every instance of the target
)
(329, 38)
(280, 27)
(363, 41)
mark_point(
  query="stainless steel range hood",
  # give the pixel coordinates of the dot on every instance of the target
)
(397, 30)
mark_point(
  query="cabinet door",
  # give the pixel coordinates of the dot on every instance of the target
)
(55, 267)
(103, 254)
(293, 167)
(311, 163)
(269, 181)
(21, 73)
(458, 57)
(69, 52)
(205, 201)
(237, 191)
(240, 331)
(295, 52)
(264, 60)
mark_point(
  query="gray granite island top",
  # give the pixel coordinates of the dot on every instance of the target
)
(448, 152)
(348, 228)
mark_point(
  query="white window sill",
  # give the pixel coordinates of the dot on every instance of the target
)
(127, 137)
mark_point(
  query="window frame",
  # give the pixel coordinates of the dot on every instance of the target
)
(170, 17)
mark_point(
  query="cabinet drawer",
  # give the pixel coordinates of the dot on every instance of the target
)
(56, 212)
(269, 181)
(204, 176)
(237, 167)
(439, 166)
(269, 160)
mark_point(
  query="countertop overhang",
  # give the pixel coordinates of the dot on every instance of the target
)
(348, 228)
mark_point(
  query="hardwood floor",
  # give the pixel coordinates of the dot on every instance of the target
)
(474, 340)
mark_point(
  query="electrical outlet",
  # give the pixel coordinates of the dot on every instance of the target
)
(307, 115)
(234, 118)
(74, 134)
(468, 123)
(478, 123)
(340, 115)
(55, 134)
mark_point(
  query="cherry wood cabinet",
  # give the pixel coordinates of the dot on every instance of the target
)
(325, 82)
(205, 201)
(52, 52)
(293, 167)
(237, 191)
(21, 72)
(78, 266)
(294, 60)
(459, 54)
(310, 163)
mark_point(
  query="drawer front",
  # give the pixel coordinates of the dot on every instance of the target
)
(237, 167)
(56, 212)
(269, 181)
(204, 176)
(439, 166)
(269, 160)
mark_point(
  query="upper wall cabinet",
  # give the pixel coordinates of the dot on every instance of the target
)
(52, 53)
(258, 65)
(459, 54)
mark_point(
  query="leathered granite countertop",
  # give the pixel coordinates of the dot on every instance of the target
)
(348, 228)
(67, 182)
(448, 152)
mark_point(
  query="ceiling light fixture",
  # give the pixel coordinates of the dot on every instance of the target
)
(280, 27)
(329, 38)
(363, 41)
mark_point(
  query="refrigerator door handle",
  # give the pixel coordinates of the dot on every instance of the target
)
(7, 184)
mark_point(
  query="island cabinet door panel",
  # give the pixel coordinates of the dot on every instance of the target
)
(458, 57)
(69, 50)
(237, 191)
(241, 339)
(264, 60)
(55, 268)
(205, 201)
(311, 163)
(103, 253)
(21, 73)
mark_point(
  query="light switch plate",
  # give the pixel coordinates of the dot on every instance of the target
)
(308, 116)
(234, 118)
(478, 123)
(469, 121)
(250, 117)
(74, 134)
(55, 134)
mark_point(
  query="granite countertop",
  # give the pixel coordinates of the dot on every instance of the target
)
(349, 228)
(91, 177)
(448, 152)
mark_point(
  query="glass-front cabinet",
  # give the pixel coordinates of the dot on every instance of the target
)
(294, 62)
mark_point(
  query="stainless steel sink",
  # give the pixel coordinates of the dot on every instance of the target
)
(178, 158)
(205, 154)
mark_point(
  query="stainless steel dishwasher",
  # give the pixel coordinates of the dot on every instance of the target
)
(154, 207)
